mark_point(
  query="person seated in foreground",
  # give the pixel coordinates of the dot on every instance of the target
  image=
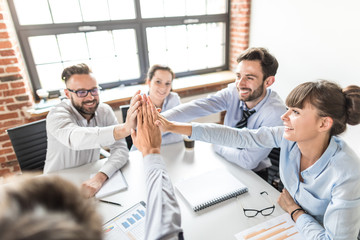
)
(48, 208)
(319, 170)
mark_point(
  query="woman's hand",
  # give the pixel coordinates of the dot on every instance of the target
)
(287, 203)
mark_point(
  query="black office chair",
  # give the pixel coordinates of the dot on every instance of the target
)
(273, 171)
(30, 144)
(124, 109)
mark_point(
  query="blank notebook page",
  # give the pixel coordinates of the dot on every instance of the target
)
(210, 188)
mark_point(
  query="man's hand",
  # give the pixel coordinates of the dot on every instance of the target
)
(130, 121)
(90, 187)
(123, 130)
(148, 136)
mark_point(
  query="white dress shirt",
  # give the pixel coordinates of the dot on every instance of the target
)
(72, 141)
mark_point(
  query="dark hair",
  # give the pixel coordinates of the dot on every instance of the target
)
(81, 68)
(156, 67)
(47, 207)
(342, 105)
(269, 64)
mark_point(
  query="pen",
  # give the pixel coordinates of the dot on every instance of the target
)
(104, 201)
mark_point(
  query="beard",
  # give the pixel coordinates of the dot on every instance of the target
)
(254, 95)
(82, 109)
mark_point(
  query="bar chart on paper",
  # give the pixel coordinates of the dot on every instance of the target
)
(129, 225)
(279, 228)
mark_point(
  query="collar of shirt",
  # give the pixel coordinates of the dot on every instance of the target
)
(243, 106)
(318, 167)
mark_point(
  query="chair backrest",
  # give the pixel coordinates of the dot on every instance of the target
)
(30, 144)
(124, 109)
(273, 171)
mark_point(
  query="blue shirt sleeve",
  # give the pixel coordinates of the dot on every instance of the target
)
(199, 107)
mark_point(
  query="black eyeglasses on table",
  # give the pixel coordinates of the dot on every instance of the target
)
(83, 93)
(249, 212)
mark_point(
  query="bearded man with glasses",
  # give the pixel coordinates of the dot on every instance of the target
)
(80, 125)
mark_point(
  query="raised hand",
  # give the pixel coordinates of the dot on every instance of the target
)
(135, 102)
(147, 138)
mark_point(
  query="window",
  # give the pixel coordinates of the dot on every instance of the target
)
(120, 39)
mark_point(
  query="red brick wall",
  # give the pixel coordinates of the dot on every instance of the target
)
(15, 94)
(239, 29)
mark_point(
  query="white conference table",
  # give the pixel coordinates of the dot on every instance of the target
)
(221, 221)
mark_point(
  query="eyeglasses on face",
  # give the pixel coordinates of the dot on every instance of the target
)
(265, 212)
(83, 93)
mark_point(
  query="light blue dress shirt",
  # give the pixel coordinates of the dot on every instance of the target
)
(330, 192)
(268, 113)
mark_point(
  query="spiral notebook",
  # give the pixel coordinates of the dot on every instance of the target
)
(210, 188)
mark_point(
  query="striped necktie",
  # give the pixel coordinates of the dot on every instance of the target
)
(243, 122)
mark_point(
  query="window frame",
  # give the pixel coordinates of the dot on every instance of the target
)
(138, 24)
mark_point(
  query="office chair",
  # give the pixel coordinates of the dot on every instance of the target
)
(30, 144)
(273, 171)
(124, 109)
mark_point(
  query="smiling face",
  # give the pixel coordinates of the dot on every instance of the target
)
(302, 125)
(160, 86)
(249, 82)
(86, 106)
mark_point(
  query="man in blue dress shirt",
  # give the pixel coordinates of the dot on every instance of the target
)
(255, 73)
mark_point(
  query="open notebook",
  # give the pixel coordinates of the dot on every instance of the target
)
(210, 188)
(113, 185)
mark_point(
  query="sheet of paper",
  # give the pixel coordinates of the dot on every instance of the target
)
(129, 225)
(281, 228)
(113, 185)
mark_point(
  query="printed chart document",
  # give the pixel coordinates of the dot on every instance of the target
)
(279, 228)
(210, 188)
(129, 225)
(113, 185)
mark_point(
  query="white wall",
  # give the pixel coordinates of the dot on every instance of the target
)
(312, 39)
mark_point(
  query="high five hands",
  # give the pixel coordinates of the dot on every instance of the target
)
(147, 138)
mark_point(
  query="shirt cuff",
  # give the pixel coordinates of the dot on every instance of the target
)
(108, 170)
(303, 220)
(195, 130)
(153, 161)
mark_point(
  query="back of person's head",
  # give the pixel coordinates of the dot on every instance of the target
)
(46, 208)
(154, 68)
(81, 68)
(342, 105)
(268, 62)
